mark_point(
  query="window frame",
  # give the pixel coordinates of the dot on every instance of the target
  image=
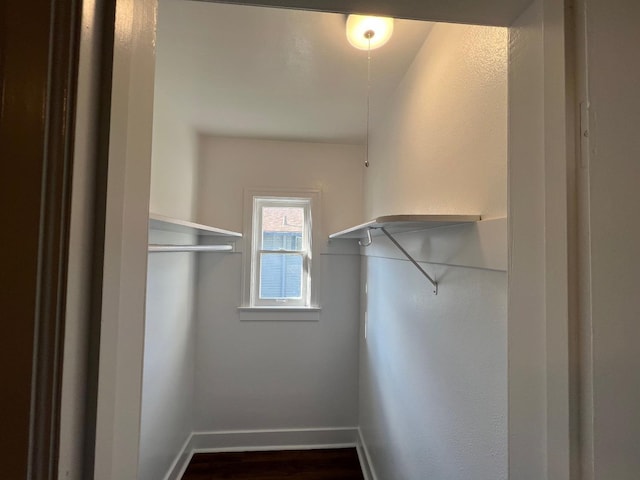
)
(251, 282)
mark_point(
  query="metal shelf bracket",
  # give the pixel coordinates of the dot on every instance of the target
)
(369, 240)
(406, 254)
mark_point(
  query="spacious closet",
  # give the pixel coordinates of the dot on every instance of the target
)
(402, 351)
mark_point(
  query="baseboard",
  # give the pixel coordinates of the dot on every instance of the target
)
(365, 459)
(181, 461)
(281, 439)
(262, 440)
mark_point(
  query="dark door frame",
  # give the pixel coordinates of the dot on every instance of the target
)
(39, 43)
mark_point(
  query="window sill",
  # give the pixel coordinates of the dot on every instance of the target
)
(279, 314)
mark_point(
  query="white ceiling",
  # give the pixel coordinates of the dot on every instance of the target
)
(272, 73)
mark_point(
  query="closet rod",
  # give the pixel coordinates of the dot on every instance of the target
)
(190, 248)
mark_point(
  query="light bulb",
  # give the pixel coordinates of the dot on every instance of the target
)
(363, 30)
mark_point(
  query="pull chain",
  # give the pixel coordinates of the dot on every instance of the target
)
(368, 34)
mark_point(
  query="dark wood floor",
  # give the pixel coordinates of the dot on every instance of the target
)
(331, 464)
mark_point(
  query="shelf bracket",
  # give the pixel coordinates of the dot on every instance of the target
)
(409, 257)
(369, 239)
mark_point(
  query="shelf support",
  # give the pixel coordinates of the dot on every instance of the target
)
(369, 240)
(411, 259)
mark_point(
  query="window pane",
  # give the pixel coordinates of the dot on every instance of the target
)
(280, 276)
(282, 228)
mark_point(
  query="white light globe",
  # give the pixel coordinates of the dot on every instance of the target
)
(359, 25)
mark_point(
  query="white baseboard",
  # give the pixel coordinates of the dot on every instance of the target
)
(264, 440)
(282, 439)
(181, 461)
(365, 460)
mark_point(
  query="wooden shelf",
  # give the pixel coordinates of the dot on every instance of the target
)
(160, 222)
(403, 223)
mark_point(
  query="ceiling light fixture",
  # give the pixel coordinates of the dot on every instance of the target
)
(368, 33)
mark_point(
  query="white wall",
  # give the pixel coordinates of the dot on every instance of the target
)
(169, 344)
(174, 169)
(610, 174)
(228, 165)
(175, 155)
(169, 354)
(433, 369)
(433, 376)
(277, 374)
(439, 146)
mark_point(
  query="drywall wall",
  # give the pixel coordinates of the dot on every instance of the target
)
(277, 374)
(527, 351)
(175, 156)
(169, 346)
(433, 376)
(229, 165)
(174, 168)
(169, 354)
(438, 145)
(611, 159)
(266, 375)
(433, 369)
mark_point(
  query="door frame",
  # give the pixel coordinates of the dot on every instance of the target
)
(39, 44)
(124, 280)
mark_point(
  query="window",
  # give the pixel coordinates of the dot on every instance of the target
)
(281, 259)
(281, 271)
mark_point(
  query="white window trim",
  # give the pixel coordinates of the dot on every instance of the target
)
(314, 196)
(276, 314)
